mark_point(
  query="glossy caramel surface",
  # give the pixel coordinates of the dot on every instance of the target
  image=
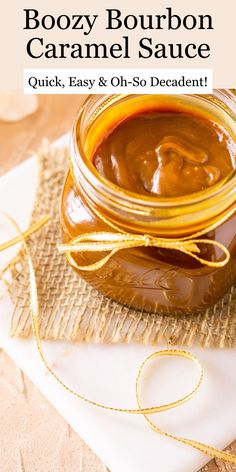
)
(166, 154)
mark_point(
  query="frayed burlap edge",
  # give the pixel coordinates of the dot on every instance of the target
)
(72, 310)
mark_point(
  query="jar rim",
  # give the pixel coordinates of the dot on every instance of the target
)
(83, 169)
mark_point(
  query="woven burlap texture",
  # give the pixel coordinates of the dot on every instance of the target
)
(71, 309)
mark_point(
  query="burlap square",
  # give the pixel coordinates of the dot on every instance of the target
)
(72, 310)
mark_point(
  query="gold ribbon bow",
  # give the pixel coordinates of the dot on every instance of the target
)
(36, 321)
(116, 241)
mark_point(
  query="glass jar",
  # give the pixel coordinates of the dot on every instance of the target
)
(149, 278)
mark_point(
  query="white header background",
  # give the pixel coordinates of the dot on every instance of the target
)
(156, 81)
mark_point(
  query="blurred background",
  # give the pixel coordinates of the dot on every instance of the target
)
(50, 116)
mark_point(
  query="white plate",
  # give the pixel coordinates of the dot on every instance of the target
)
(107, 373)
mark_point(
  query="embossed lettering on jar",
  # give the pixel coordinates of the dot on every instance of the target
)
(162, 166)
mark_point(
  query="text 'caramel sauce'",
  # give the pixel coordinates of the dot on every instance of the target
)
(165, 153)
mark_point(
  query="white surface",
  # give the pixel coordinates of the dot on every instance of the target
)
(107, 374)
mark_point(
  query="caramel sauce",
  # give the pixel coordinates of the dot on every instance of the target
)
(174, 151)
(166, 154)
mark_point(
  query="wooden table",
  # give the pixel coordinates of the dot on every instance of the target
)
(54, 117)
(30, 424)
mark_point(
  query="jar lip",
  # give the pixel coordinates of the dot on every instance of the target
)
(124, 196)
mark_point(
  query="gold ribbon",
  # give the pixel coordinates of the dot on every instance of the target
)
(36, 321)
(113, 242)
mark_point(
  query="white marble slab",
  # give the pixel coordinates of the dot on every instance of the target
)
(107, 373)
